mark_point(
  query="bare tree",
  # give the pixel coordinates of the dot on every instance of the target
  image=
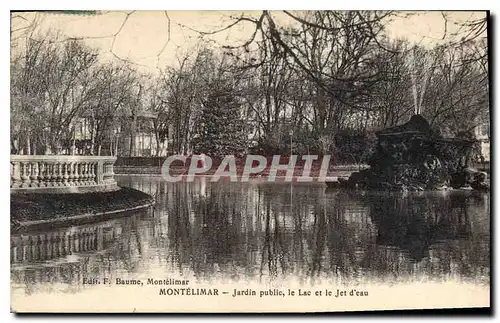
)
(115, 84)
(457, 97)
(55, 81)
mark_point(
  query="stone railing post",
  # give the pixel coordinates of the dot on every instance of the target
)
(100, 172)
(15, 174)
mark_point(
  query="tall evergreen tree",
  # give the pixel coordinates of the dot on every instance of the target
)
(221, 129)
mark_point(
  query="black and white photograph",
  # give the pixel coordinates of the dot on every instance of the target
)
(265, 161)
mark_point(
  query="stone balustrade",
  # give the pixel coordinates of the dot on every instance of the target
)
(61, 174)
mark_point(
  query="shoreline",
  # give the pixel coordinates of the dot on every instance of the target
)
(262, 179)
(45, 210)
(334, 180)
(332, 174)
(76, 219)
(254, 181)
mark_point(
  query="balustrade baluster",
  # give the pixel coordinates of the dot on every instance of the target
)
(34, 174)
(25, 251)
(93, 173)
(50, 247)
(70, 244)
(53, 172)
(42, 180)
(76, 175)
(65, 174)
(62, 244)
(84, 173)
(25, 176)
(37, 248)
(43, 247)
(51, 176)
(91, 240)
(12, 254)
(77, 243)
(89, 173)
(85, 241)
(29, 253)
(81, 173)
(57, 244)
(60, 175)
(71, 175)
(81, 177)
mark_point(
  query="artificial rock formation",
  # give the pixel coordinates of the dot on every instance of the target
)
(413, 157)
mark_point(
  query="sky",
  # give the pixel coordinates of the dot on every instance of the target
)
(143, 37)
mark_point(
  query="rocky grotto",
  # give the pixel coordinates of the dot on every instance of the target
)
(414, 157)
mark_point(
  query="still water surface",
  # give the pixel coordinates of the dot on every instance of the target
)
(259, 232)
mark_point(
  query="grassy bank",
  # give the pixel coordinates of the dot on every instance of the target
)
(43, 207)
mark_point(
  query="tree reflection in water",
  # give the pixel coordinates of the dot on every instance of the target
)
(260, 232)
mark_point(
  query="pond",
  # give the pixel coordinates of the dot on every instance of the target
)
(263, 232)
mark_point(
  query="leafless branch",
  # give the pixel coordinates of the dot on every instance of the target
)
(120, 29)
(445, 24)
(166, 42)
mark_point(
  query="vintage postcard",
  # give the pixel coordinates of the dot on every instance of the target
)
(249, 161)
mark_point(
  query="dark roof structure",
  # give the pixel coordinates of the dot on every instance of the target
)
(416, 125)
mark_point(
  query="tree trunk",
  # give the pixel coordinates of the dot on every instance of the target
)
(157, 139)
(92, 139)
(28, 145)
(132, 136)
(14, 146)
(116, 146)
